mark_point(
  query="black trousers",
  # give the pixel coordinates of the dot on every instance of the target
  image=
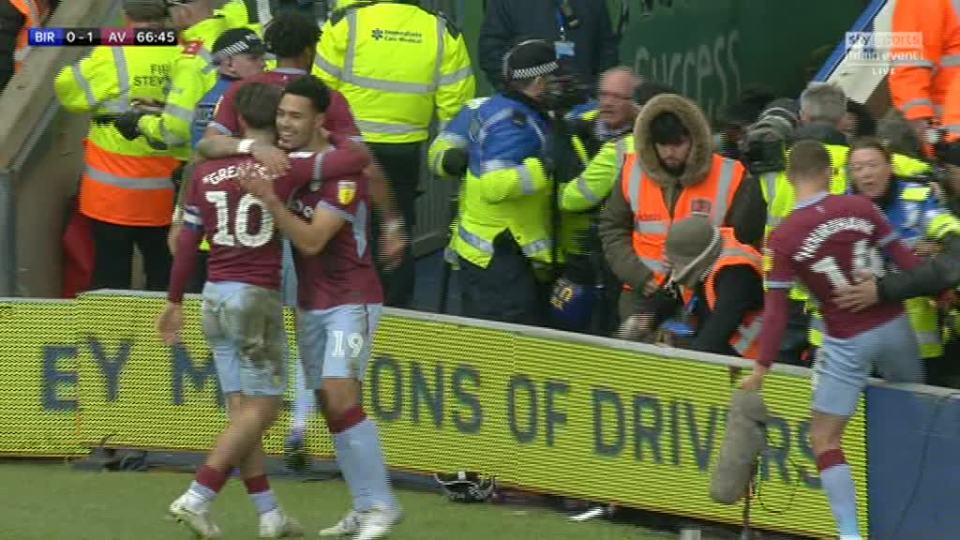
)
(795, 347)
(506, 290)
(113, 255)
(401, 163)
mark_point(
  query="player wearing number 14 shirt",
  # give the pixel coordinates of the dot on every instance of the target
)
(824, 243)
(242, 312)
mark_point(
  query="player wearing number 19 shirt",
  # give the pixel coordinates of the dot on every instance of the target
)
(340, 301)
(242, 312)
(824, 242)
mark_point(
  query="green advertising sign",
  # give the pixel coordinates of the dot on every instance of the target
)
(710, 50)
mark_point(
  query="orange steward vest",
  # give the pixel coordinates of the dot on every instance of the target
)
(745, 340)
(34, 12)
(652, 219)
(127, 190)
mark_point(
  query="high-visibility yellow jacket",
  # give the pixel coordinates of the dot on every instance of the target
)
(235, 12)
(192, 75)
(506, 187)
(596, 182)
(124, 182)
(395, 64)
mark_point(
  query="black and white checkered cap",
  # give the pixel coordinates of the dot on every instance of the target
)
(237, 41)
(529, 60)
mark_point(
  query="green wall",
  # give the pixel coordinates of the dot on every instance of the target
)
(711, 49)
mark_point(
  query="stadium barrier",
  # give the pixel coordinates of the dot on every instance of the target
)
(547, 411)
(914, 480)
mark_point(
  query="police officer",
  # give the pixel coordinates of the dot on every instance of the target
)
(396, 63)
(125, 187)
(920, 220)
(503, 237)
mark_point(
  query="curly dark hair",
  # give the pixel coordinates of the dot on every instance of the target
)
(290, 33)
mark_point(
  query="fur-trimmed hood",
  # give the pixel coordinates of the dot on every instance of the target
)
(701, 150)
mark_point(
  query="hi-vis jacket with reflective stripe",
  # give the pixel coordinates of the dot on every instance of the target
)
(595, 183)
(745, 339)
(453, 136)
(124, 182)
(395, 64)
(714, 196)
(34, 12)
(506, 187)
(925, 57)
(193, 74)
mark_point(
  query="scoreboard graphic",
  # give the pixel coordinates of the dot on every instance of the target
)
(94, 37)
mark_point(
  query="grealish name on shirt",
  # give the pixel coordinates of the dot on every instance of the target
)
(816, 238)
(233, 171)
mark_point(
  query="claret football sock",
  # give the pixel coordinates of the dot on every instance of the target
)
(837, 482)
(258, 487)
(361, 461)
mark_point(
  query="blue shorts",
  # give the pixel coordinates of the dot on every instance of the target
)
(843, 365)
(244, 327)
(336, 343)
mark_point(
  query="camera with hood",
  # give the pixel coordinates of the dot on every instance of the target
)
(565, 92)
(767, 140)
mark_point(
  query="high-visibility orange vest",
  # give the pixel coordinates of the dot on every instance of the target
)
(652, 219)
(127, 190)
(34, 12)
(925, 56)
(745, 340)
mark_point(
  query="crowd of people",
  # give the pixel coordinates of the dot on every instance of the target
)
(591, 199)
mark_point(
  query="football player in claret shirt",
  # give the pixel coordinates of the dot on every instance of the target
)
(824, 243)
(242, 313)
(339, 305)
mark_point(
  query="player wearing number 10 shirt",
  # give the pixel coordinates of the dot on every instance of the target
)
(823, 244)
(242, 312)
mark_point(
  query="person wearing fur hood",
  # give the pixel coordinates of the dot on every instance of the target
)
(674, 174)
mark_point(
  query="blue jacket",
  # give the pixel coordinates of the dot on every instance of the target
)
(913, 209)
(203, 114)
(503, 132)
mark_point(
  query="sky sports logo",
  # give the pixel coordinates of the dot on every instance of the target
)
(881, 49)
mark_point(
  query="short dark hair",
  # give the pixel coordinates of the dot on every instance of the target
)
(871, 143)
(808, 158)
(311, 88)
(257, 105)
(667, 128)
(290, 33)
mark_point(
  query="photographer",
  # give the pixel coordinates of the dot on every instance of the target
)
(673, 174)
(504, 234)
(715, 281)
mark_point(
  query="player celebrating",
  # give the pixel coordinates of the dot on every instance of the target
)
(242, 314)
(824, 241)
(340, 301)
